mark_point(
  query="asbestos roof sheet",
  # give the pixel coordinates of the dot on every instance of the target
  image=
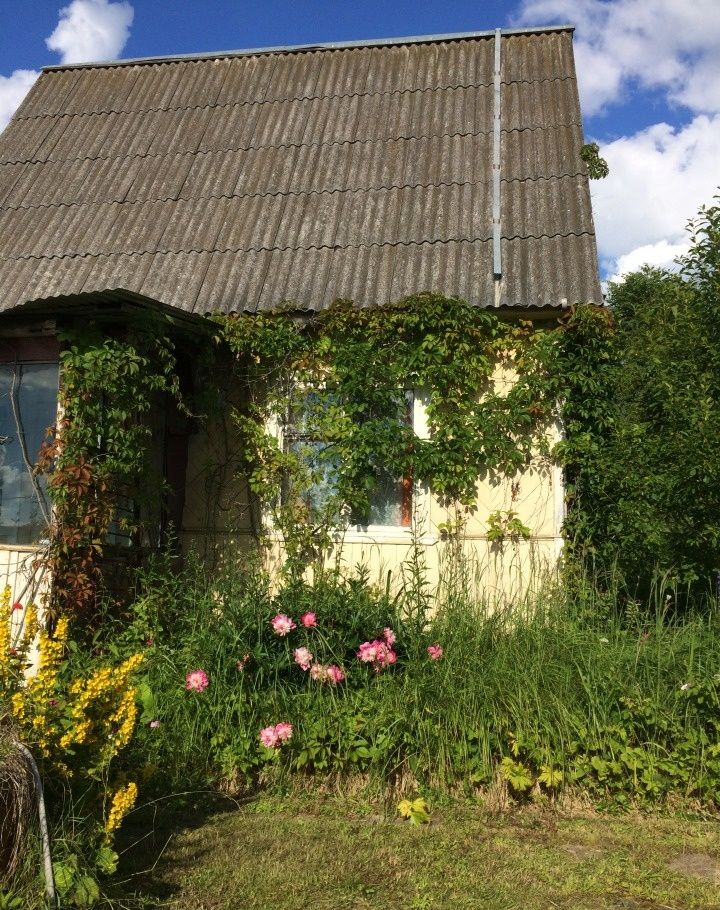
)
(246, 181)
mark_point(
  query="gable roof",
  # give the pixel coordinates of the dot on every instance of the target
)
(243, 180)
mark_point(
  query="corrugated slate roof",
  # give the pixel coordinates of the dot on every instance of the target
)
(247, 180)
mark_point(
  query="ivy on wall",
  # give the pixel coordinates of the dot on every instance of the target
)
(341, 376)
(338, 381)
(96, 457)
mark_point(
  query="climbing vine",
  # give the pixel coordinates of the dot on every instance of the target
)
(95, 458)
(336, 386)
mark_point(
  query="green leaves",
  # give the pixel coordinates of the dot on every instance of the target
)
(355, 366)
(416, 811)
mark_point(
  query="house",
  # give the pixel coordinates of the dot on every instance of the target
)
(242, 181)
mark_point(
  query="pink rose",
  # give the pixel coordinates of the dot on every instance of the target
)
(197, 681)
(389, 637)
(303, 658)
(309, 620)
(243, 662)
(435, 652)
(282, 624)
(367, 652)
(283, 731)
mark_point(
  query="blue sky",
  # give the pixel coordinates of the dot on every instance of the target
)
(649, 74)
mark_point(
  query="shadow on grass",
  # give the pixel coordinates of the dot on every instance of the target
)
(144, 839)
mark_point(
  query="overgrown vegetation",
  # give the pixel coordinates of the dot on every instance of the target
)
(336, 388)
(642, 435)
(96, 458)
(551, 696)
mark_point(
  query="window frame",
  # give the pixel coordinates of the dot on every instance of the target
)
(418, 506)
(20, 351)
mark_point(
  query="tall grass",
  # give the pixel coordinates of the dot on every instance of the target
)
(621, 700)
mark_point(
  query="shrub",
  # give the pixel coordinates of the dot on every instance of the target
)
(77, 714)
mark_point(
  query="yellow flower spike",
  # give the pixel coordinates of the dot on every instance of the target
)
(122, 802)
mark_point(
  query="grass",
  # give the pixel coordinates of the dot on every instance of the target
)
(332, 854)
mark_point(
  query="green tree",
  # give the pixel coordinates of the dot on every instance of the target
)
(644, 468)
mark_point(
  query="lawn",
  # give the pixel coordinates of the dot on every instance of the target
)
(330, 854)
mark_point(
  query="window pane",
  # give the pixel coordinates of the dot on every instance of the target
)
(317, 495)
(33, 386)
(386, 502)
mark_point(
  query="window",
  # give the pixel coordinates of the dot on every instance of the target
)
(28, 406)
(391, 499)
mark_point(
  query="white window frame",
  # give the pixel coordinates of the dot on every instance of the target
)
(420, 520)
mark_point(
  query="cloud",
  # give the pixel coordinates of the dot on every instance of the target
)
(659, 178)
(12, 91)
(671, 45)
(661, 255)
(87, 30)
(91, 30)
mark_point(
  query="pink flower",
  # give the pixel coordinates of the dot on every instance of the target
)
(367, 652)
(154, 724)
(274, 737)
(282, 624)
(17, 605)
(197, 681)
(435, 652)
(389, 637)
(303, 658)
(319, 672)
(309, 620)
(335, 674)
(378, 653)
(243, 662)
(327, 674)
(269, 738)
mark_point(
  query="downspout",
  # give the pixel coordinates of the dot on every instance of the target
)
(497, 102)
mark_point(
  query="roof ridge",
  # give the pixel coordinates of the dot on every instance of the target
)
(307, 48)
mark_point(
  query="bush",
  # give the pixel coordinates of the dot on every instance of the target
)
(642, 437)
(77, 714)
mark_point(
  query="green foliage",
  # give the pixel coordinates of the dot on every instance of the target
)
(560, 693)
(502, 524)
(597, 166)
(339, 381)
(640, 414)
(96, 459)
(415, 810)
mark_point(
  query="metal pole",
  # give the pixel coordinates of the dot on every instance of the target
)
(45, 837)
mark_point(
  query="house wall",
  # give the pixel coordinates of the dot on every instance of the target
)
(218, 514)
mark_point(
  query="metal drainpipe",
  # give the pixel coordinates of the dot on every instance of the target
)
(45, 837)
(497, 123)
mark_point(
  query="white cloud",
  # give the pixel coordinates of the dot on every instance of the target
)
(672, 45)
(662, 255)
(12, 91)
(659, 178)
(87, 30)
(91, 30)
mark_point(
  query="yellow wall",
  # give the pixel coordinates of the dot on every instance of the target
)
(497, 570)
